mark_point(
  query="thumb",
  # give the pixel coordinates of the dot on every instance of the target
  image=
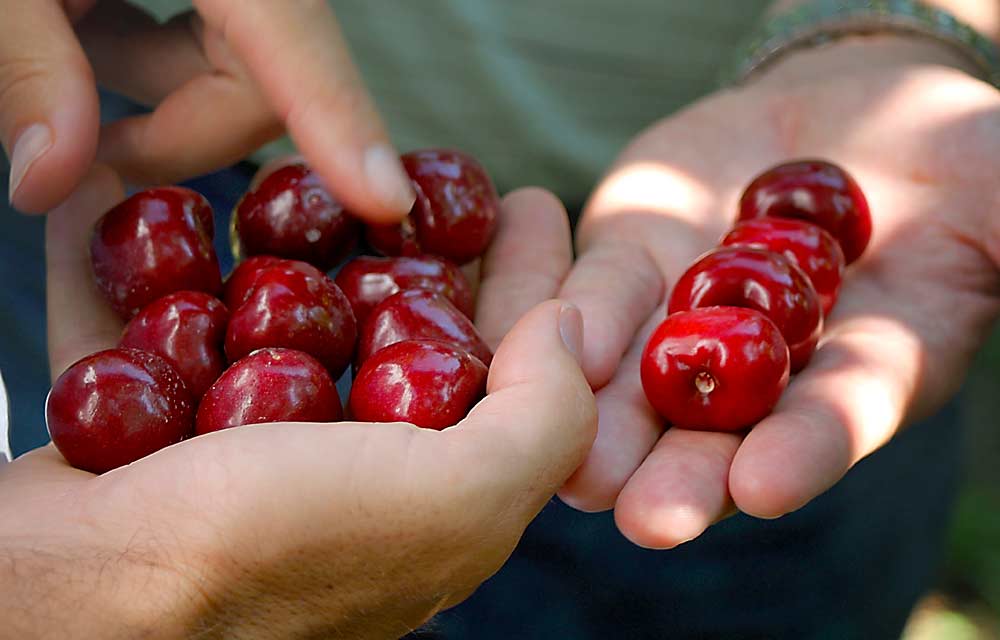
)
(49, 114)
(539, 419)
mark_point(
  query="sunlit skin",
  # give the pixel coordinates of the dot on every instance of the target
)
(292, 309)
(270, 385)
(240, 283)
(154, 243)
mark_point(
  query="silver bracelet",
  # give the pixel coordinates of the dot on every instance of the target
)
(821, 21)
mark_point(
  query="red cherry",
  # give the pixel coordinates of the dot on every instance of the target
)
(291, 309)
(816, 191)
(240, 283)
(367, 281)
(715, 369)
(270, 385)
(756, 279)
(186, 329)
(424, 382)
(116, 406)
(153, 244)
(290, 214)
(418, 314)
(454, 215)
(809, 247)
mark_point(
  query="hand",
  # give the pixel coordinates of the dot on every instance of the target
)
(223, 80)
(302, 530)
(924, 143)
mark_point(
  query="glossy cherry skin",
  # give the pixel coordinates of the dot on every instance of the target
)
(424, 382)
(187, 330)
(454, 215)
(811, 248)
(240, 283)
(270, 385)
(152, 244)
(816, 191)
(756, 279)
(290, 214)
(116, 406)
(418, 314)
(715, 369)
(291, 309)
(367, 281)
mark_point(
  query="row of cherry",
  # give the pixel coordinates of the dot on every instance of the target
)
(750, 312)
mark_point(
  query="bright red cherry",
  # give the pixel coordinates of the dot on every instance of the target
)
(816, 191)
(715, 369)
(454, 215)
(116, 406)
(756, 279)
(424, 382)
(290, 214)
(418, 314)
(367, 281)
(240, 283)
(152, 244)
(186, 329)
(270, 385)
(291, 309)
(811, 248)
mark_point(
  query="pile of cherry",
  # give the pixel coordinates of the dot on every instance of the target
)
(750, 312)
(199, 354)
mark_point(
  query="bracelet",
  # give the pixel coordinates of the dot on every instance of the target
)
(821, 21)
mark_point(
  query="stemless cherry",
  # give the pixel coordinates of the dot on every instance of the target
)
(270, 385)
(811, 248)
(291, 309)
(428, 383)
(116, 406)
(817, 191)
(240, 283)
(756, 279)
(419, 314)
(290, 214)
(186, 329)
(152, 244)
(367, 281)
(715, 369)
(454, 215)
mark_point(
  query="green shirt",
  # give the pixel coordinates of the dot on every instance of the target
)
(543, 92)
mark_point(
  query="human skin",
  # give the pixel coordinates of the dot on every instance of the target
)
(388, 525)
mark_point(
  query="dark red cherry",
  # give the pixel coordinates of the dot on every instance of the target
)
(270, 385)
(816, 191)
(756, 279)
(115, 407)
(715, 369)
(187, 330)
(290, 214)
(152, 244)
(241, 281)
(424, 382)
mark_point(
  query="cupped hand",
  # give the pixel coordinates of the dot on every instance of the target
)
(923, 141)
(301, 530)
(222, 80)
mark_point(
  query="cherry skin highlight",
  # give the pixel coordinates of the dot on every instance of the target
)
(116, 406)
(816, 191)
(424, 382)
(270, 385)
(240, 283)
(756, 279)
(187, 330)
(808, 246)
(715, 369)
(367, 281)
(153, 244)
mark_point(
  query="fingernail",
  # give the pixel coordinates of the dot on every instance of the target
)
(30, 146)
(387, 178)
(571, 329)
